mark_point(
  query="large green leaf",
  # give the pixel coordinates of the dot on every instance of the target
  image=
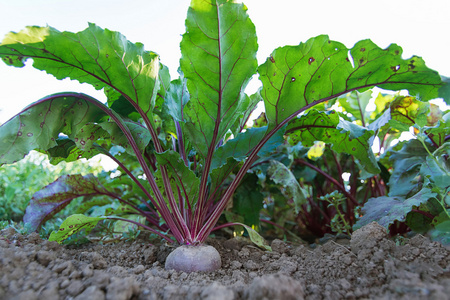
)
(386, 210)
(297, 76)
(218, 60)
(96, 56)
(330, 128)
(47, 202)
(38, 126)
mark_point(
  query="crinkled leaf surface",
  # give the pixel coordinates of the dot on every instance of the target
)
(330, 128)
(47, 202)
(38, 125)
(218, 59)
(409, 110)
(72, 225)
(385, 210)
(296, 76)
(96, 56)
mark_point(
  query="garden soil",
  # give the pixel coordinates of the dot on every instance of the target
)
(368, 266)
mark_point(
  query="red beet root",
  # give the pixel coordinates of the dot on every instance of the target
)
(189, 259)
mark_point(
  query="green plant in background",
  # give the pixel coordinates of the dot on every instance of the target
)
(328, 203)
(181, 144)
(19, 181)
(420, 179)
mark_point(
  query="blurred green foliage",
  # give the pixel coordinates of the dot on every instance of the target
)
(19, 181)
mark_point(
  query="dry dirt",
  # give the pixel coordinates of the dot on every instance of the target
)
(369, 266)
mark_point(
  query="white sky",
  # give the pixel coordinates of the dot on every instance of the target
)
(420, 27)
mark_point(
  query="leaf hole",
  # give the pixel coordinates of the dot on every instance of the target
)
(311, 60)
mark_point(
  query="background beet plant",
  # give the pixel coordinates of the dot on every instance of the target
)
(183, 143)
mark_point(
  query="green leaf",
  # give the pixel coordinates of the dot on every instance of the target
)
(176, 99)
(281, 175)
(252, 102)
(440, 131)
(297, 76)
(386, 210)
(180, 175)
(356, 104)
(248, 200)
(409, 110)
(53, 198)
(444, 91)
(96, 56)
(437, 169)
(441, 233)
(418, 222)
(255, 237)
(330, 128)
(400, 126)
(243, 143)
(72, 225)
(218, 60)
(90, 202)
(140, 134)
(39, 125)
(406, 166)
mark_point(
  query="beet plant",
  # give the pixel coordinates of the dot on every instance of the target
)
(183, 143)
(410, 192)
